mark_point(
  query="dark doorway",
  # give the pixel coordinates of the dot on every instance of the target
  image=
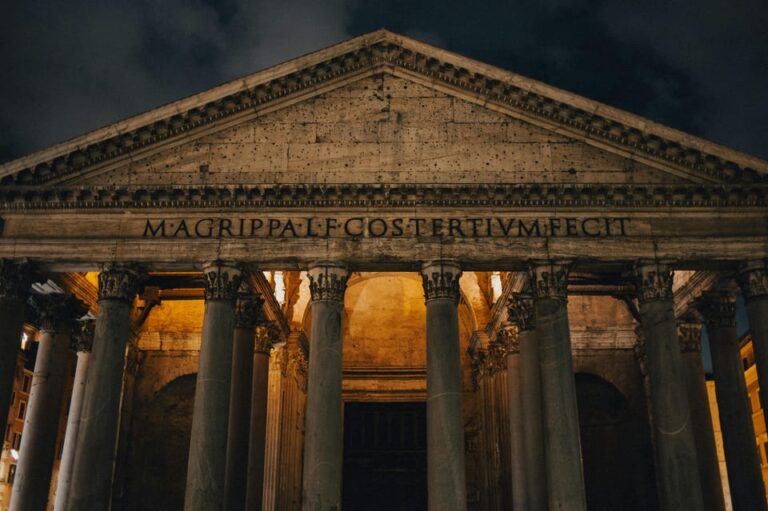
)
(385, 456)
(604, 422)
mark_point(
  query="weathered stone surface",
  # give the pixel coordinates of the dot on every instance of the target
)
(387, 129)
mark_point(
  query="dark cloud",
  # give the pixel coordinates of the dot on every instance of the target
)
(69, 67)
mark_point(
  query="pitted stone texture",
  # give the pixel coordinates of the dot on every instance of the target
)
(381, 129)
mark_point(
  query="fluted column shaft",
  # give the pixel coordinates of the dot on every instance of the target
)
(754, 285)
(266, 334)
(677, 463)
(565, 476)
(741, 456)
(247, 310)
(323, 441)
(522, 314)
(15, 280)
(97, 438)
(208, 443)
(446, 479)
(83, 342)
(56, 314)
(689, 335)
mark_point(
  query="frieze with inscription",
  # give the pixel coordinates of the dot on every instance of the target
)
(389, 227)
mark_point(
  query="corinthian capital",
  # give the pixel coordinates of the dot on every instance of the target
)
(57, 310)
(441, 280)
(266, 335)
(82, 337)
(753, 279)
(521, 311)
(550, 279)
(15, 279)
(119, 282)
(718, 309)
(654, 281)
(248, 310)
(689, 336)
(328, 281)
(222, 280)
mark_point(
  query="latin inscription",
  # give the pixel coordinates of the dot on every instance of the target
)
(379, 227)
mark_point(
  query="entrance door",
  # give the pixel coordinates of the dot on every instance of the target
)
(385, 457)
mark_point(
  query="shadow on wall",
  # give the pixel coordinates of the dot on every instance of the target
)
(160, 449)
(606, 437)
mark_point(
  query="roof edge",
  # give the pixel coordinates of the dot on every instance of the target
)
(471, 67)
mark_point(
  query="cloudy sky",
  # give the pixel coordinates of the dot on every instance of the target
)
(71, 66)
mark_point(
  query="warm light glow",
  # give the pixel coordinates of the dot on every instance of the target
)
(24, 339)
(279, 288)
(15, 454)
(496, 285)
(268, 275)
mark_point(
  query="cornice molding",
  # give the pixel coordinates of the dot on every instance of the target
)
(288, 196)
(633, 134)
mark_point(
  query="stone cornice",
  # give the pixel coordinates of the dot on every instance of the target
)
(385, 195)
(376, 53)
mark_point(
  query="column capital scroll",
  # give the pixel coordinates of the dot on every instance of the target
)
(248, 310)
(57, 310)
(222, 280)
(119, 281)
(266, 335)
(718, 309)
(653, 280)
(440, 280)
(327, 281)
(753, 279)
(521, 311)
(510, 337)
(549, 278)
(689, 336)
(82, 337)
(497, 356)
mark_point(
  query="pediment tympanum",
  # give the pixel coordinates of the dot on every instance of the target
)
(385, 151)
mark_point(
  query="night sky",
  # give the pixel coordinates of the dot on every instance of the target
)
(72, 66)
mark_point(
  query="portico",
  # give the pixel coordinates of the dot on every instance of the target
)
(387, 203)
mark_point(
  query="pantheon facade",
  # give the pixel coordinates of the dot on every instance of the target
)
(382, 276)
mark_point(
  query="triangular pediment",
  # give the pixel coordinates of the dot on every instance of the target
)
(382, 108)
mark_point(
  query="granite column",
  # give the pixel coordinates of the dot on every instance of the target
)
(323, 441)
(753, 280)
(689, 335)
(247, 310)
(522, 313)
(56, 314)
(91, 485)
(742, 459)
(446, 478)
(208, 442)
(565, 476)
(82, 342)
(266, 334)
(520, 497)
(677, 463)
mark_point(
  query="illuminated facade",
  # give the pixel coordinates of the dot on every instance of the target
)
(383, 276)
